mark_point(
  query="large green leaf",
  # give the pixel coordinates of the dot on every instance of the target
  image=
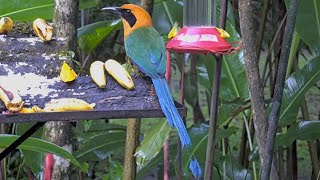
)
(233, 79)
(90, 36)
(34, 160)
(306, 130)
(115, 171)
(90, 128)
(199, 136)
(100, 145)
(229, 110)
(205, 68)
(152, 143)
(295, 88)
(191, 89)
(308, 23)
(167, 12)
(86, 4)
(26, 10)
(40, 146)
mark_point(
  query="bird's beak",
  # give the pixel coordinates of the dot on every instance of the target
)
(111, 9)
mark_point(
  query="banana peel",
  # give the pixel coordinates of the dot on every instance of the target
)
(223, 34)
(97, 73)
(43, 29)
(11, 99)
(67, 74)
(6, 25)
(118, 72)
(67, 104)
(174, 30)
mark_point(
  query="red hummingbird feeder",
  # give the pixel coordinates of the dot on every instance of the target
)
(201, 40)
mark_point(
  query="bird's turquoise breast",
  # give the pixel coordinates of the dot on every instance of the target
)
(147, 50)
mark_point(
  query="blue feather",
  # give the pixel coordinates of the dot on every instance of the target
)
(170, 111)
(195, 168)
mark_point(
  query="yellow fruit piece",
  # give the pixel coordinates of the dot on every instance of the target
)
(6, 25)
(174, 31)
(11, 99)
(34, 109)
(67, 104)
(118, 72)
(223, 33)
(97, 73)
(67, 74)
(42, 29)
(26, 110)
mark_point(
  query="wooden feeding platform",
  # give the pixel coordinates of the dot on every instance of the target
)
(32, 67)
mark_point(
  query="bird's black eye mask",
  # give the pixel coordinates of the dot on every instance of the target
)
(128, 16)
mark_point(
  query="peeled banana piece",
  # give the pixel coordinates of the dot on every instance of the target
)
(43, 29)
(67, 104)
(33, 109)
(97, 73)
(11, 99)
(6, 25)
(118, 72)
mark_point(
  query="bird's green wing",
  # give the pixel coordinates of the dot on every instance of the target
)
(147, 50)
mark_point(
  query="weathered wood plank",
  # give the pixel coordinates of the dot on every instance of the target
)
(32, 67)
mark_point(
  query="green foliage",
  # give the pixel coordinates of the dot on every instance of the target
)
(115, 171)
(308, 23)
(90, 36)
(296, 87)
(152, 143)
(86, 4)
(21, 10)
(100, 145)
(34, 160)
(306, 130)
(40, 146)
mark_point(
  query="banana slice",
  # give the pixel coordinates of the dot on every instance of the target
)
(6, 25)
(11, 99)
(97, 74)
(67, 104)
(119, 74)
(42, 29)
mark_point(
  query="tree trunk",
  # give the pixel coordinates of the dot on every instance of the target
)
(252, 71)
(65, 21)
(60, 133)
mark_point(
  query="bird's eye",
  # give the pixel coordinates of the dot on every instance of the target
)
(128, 11)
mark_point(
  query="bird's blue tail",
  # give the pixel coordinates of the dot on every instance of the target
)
(174, 119)
(170, 111)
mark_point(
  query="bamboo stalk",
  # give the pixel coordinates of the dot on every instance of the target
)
(215, 101)
(279, 86)
(132, 141)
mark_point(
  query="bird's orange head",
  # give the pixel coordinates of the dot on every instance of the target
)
(132, 16)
